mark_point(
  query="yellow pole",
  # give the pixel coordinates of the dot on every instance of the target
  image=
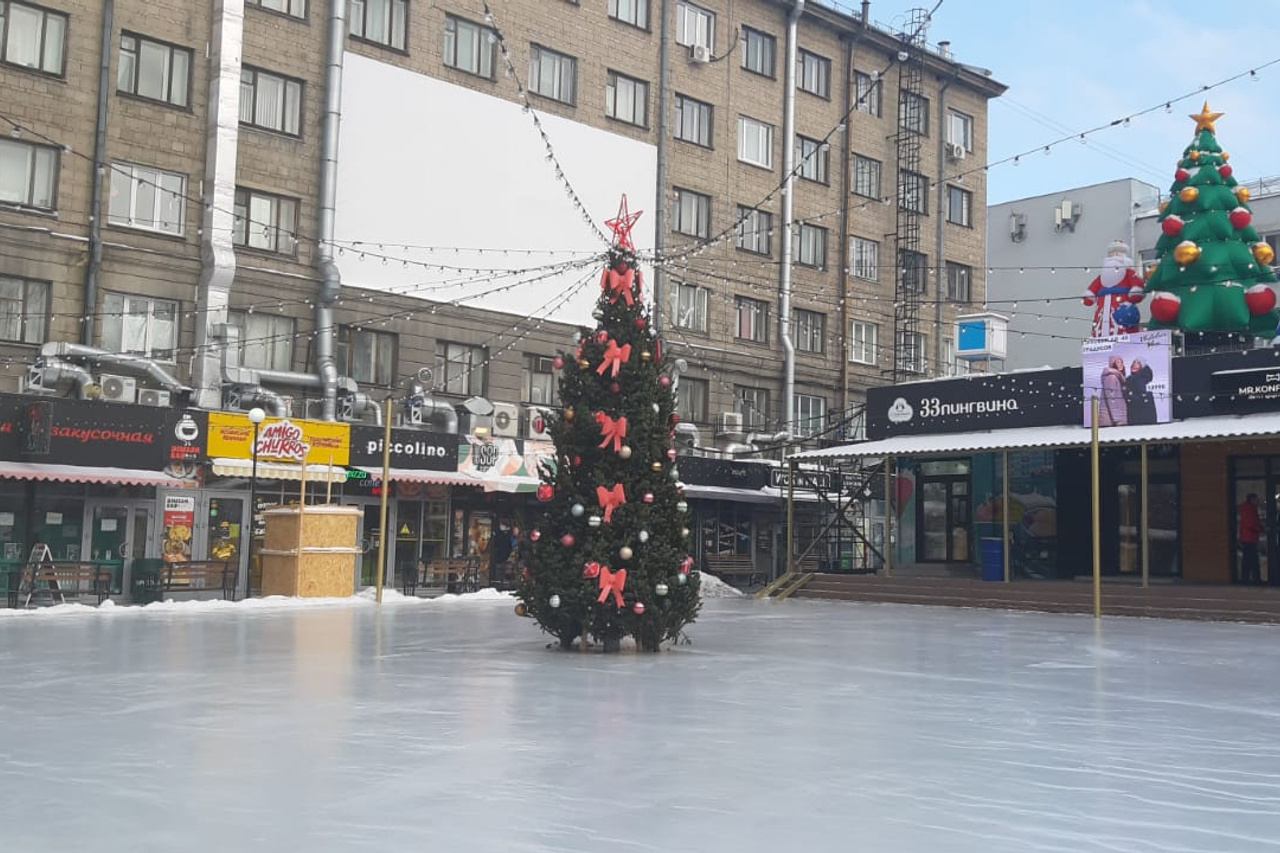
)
(888, 517)
(791, 503)
(1097, 516)
(1004, 506)
(382, 512)
(328, 480)
(1146, 538)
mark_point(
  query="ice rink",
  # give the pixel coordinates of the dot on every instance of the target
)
(795, 726)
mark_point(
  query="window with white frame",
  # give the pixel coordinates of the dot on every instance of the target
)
(753, 319)
(960, 206)
(626, 99)
(863, 348)
(810, 414)
(913, 268)
(461, 368)
(913, 191)
(538, 379)
(808, 330)
(140, 325)
(292, 8)
(811, 245)
(633, 12)
(910, 353)
(692, 213)
(864, 258)
(270, 101)
(755, 142)
(469, 46)
(265, 221)
(691, 400)
(266, 340)
(959, 282)
(24, 310)
(32, 37)
(813, 157)
(758, 50)
(866, 177)
(868, 93)
(379, 21)
(960, 129)
(752, 404)
(552, 75)
(153, 70)
(952, 363)
(688, 306)
(755, 230)
(28, 174)
(693, 121)
(695, 26)
(367, 356)
(913, 112)
(813, 73)
(146, 198)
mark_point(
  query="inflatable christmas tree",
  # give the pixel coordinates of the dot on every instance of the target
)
(1212, 277)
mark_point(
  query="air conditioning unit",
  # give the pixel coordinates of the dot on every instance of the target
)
(699, 53)
(955, 151)
(118, 389)
(506, 420)
(728, 423)
(153, 397)
(537, 423)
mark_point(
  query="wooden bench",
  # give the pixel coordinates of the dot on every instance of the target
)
(189, 576)
(726, 566)
(455, 574)
(63, 579)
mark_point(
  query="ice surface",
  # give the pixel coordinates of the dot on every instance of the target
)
(793, 726)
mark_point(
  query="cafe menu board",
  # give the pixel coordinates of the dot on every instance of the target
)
(179, 520)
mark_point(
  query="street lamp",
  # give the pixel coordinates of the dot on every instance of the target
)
(256, 417)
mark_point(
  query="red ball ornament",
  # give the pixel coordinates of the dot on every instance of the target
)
(648, 497)
(1224, 170)
(675, 417)
(1181, 175)
(638, 607)
(615, 387)
(545, 492)
(602, 336)
(535, 535)
(664, 380)
(639, 322)
(1240, 217)
(1171, 225)
(1164, 307)
(577, 460)
(557, 362)
(1260, 298)
(567, 540)
(591, 569)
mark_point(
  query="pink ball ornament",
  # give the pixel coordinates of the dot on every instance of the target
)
(1171, 225)
(639, 322)
(671, 453)
(602, 336)
(557, 362)
(615, 387)
(567, 540)
(1240, 217)
(535, 535)
(638, 608)
(648, 497)
(664, 380)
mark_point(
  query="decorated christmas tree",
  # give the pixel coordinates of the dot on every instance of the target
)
(609, 558)
(1212, 277)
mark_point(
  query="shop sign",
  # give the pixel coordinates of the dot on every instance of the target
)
(1252, 390)
(83, 432)
(179, 517)
(410, 448)
(728, 474)
(230, 435)
(812, 481)
(504, 457)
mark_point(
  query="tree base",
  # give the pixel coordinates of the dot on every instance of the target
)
(611, 643)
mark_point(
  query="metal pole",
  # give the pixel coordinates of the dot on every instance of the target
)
(382, 512)
(1004, 511)
(1097, 515)
(888, 517)
(328, 487)
(1145, 530)
(253, 509)
(791, 532)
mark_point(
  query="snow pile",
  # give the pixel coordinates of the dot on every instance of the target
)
(713, 587)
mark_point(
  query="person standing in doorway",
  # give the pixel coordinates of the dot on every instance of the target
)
(1250, 529)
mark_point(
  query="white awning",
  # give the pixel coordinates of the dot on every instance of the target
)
(227, 467)
(89, 474)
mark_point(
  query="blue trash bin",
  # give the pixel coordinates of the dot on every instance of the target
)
(992, 558)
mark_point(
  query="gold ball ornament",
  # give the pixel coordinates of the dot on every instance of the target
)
(1263, 254)
(520, 610)
(657, 466)
(1186, 252)
(1242, 194)
(1149, 271)
(644, 355)
(583, 363)
(1189, 194)
(1225, 156)
(568, 414)
(1163, 206)
(1193, 155)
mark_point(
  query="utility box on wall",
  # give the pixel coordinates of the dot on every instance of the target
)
(982, 337)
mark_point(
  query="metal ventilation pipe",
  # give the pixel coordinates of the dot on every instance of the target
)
(55, 351)
(788, 218)
(331, 279)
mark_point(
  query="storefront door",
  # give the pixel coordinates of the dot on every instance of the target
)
(1257, 475)
(944, 519)
(118, 533)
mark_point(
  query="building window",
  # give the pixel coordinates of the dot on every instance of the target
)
(292, 8)
(462, 368)
(811, 245)
(910, 354)
(960, 130)
(752, 404)
(758, 51)
(379, 21)
(813, 158)
(552, 75)
(626, 99)
(808, 329)
(913, 113)
(960, 206)
(692, 214)
(140, 325)
(953, 364)
(689, 307)
(150, 199)
(31, 37)
(691, 400)
(266, 340)
(866, 177)
(270, 102)
(755, 142)
(28, 174)
(24, 310)
(810, 414)
(813, 74)
(633, 12)
(959, 282)
(755, 230)
(538, 379)
(367, 356)
(864, 258)
(862, 342)
(695, 26)
(912, 268)
(264, 221)
(868, 93)
(693, 121)
(153, 70)
(913, 191)
(753, 320)
(469, 47)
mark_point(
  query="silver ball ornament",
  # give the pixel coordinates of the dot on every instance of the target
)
(684, 531)
(661, 589)
(682, 579)
(576, 510)
(593, 521)
(643, 536)
(554, 601)
(682, 506)
(656, 409)
(625, 451)
(624, 553)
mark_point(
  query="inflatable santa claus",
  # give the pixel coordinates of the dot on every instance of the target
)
(1113, 294)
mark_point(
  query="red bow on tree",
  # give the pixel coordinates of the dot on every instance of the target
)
(610, 499)
(612, 430)
(618, 284)
(614, 355)
(611, 583)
